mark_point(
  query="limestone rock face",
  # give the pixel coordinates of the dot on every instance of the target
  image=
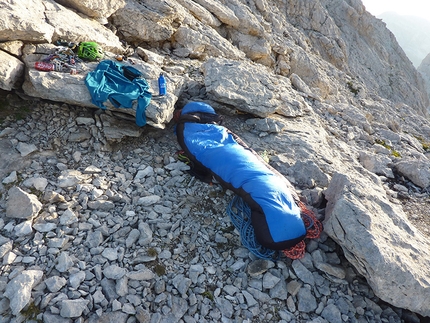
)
(72, 31)
(387, 250)
(151, 22)
(249, 88)
(25, 21)
(200, 12)
(45, 21)
(424, 70)
(96, 9)
(13, 47)
(11, 71)
(202, 43)
(321, 87)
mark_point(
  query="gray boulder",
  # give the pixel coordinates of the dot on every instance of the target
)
(379, 241)
(323, 80)
(18, 290)
(101, 10)
(71, 89)
(11, 71)
(251, 88)
(22, 205)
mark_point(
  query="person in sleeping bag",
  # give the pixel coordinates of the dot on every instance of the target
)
(216, 152)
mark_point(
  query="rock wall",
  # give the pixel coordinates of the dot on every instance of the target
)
(327, 87)
(424, 70)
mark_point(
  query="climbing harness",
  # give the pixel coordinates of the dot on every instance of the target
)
(240, 214)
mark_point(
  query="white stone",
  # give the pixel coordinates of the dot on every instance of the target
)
(55, 283)
(72, 308)
(22, 205)
(68, 217)
(144, 274)
(64, 262)
(76, 279)
(38, 183)
(26, 149)
(11, 178)
(18, 290)
(24, 228)
(148, 200)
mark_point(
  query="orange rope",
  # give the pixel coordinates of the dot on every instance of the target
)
(296, 252)
(313, 231)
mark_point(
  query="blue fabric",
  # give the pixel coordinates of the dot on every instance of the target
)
(197, 107)
(214, 147)
(107, 82)
(240, 215)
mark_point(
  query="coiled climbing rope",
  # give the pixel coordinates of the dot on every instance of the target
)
(240, 214)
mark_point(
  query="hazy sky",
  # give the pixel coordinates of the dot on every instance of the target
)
(404, 7)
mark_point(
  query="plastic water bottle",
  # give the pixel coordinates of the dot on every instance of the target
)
(44, 66)
(47, 67)
(161, 84)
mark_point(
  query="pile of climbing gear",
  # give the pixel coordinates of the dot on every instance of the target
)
(62, 60)
(240, 215)
(68, 56)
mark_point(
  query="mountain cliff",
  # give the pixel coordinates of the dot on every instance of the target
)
(321, 86)
(411, 34)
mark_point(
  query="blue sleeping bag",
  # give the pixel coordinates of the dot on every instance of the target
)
(217, 152)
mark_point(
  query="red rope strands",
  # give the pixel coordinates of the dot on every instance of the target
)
(296, 252)
(313, 226)
(313, 231)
